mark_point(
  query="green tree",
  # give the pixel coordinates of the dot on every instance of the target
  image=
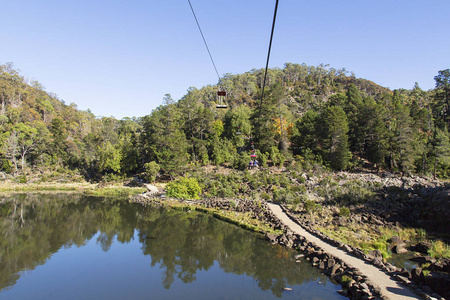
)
(334, 139)
(351, 108)
(443, 95)
(109, 158)
(151, 170)
(237, 125)
(163, 139)
(441, 149)
(59, 133)
(306, 136)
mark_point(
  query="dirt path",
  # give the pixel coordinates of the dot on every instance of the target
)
(389, 288)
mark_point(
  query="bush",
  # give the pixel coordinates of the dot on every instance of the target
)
(265, 196)
(241, 160)
(276, 156)
(439, 249)
(111, 177)
(151, 170)
(7, 166)
(344, 212)
(21, 179)
(311, 206)
(263, 158)
(184, 188)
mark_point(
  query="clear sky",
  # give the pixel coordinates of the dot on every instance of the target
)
(118, 58)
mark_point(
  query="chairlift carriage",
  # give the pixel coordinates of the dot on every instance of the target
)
(253, 162)
(221, 94)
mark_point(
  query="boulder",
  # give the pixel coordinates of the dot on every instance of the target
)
(421, 247)
(423, 259)
(399, 249)
(321, 265)
(397, 241)
(152, 190)
(439, 283)
(375, 254)
(335, 269)
(330, 263)
(298, 256)
(271, 237)
(377, 262)
(417, 276)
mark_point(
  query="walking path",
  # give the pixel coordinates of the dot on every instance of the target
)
(389, 288)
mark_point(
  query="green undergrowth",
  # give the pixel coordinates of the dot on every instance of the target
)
(366, 239)
(113, 191)
(34, 187)
(439, 249)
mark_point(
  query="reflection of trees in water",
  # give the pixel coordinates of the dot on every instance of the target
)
(35, 226)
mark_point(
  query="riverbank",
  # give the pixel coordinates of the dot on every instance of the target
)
(356, 283)
(83, 187)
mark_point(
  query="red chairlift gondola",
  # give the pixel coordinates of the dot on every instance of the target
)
(221, 94)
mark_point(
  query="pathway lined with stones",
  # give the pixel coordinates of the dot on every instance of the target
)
(390, 289)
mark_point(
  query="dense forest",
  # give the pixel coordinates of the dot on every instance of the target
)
(308, 113)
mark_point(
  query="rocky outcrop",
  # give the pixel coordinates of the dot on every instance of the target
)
(421, 247)
(434, 282)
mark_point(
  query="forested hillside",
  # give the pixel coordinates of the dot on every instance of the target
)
(316, 114)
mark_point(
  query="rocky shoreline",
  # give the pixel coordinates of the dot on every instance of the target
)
(355, 284)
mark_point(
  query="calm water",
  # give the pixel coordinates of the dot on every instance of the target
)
(77, 247)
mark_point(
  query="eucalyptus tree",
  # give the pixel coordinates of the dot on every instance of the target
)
(163, 138)
(333, 132)
(237, 125)
(443, 97)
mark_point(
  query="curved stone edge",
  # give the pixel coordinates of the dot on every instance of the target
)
(401, 276)
(358, 287)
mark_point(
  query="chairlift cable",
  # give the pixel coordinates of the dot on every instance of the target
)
(268, 56)
(204, 40)
(265, 75)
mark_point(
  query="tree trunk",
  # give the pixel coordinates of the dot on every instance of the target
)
(435, 166)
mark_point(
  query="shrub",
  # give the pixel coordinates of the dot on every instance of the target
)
(7, 166)
(344, 212)
(184, 188)
(439, 249)
(241, 160)
(311, 206)
(151, 170)
(22, 179)
(225, 192)
(265, 196)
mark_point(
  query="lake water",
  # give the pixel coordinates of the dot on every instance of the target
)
(69, 246)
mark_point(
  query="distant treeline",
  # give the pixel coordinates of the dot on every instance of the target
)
(317, 114)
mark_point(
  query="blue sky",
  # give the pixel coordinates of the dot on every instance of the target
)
(118, 58)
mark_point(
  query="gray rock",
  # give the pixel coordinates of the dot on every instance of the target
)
(417, 276)
(298, 256)
(377, 262)
(423, 259)
(399, 249)
(334, 269)
(375, 254)
(151, 189)
(421, 247)
(397, 241)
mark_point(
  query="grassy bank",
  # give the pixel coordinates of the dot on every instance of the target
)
(85, 187)
(243, 220)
